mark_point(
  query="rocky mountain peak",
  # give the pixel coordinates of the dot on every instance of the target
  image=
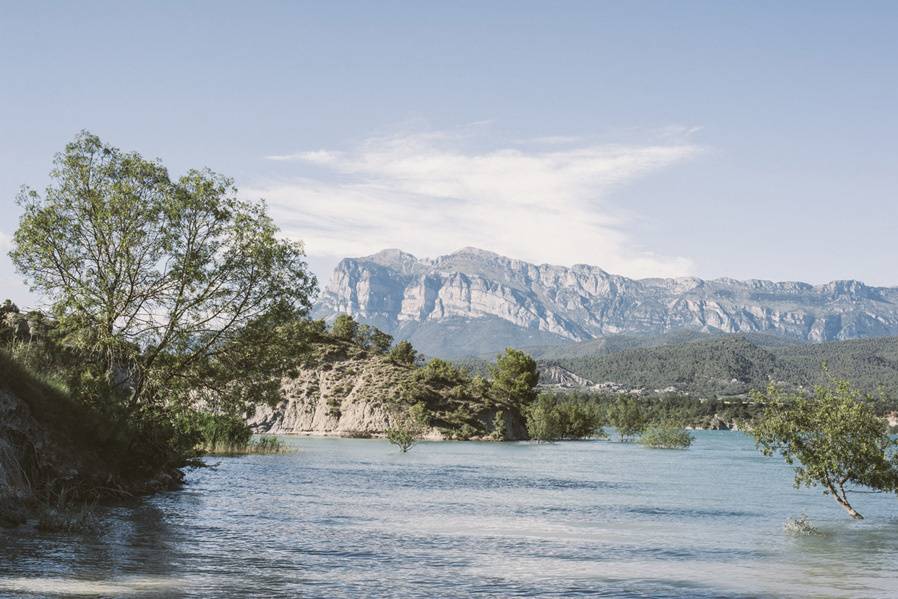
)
(492, 301)
(394, 259)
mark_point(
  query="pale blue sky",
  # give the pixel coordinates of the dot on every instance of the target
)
(755, 139)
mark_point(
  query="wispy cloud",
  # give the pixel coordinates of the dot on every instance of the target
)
(429, 193)
(316, 156)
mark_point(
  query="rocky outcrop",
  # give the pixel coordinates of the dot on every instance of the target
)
(345, 390)
(557, 376)
(342, 396)
(544, 303)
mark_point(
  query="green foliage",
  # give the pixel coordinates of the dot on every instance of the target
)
(580, 420)
(499, 426)
(543, 420)
(666, 436)
(132, 449)
(725, 366)
(167, 292)
(224, 434)
(407, 426)
(706, 367)
(220, 433)
(404, 353)
(373, 339)
(515, 377)
(832, 439)
(461, 407)
(551, 418)
(345, 328)
(441, 372)
(627, 417)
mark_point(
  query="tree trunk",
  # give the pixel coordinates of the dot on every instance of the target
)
(851, 511)
(843, 501)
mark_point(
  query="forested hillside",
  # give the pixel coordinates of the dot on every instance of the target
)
(732, 365)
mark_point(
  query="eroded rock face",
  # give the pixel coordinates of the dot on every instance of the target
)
(347, 397)
(552, 374)
(344, 390)
(392, 289)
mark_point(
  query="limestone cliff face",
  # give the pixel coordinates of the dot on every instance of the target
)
(344, 390)
(555, 375)
(344, 397)
(405, 295)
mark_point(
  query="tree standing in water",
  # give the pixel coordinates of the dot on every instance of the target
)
(407, 425)
(626, 416)
(833, 439)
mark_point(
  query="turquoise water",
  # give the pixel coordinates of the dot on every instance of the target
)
(354, 518)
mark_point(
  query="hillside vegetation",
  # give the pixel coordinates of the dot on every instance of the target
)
(733, 365)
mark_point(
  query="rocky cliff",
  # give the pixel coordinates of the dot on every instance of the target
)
(345, 390)
(339, 393)
(490, 301)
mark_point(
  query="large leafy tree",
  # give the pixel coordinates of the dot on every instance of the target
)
(832, 438)
(176, 289)
(515, 377)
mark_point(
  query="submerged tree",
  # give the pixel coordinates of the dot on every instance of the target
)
(175, 290)
(666, 436)
(543, 420)
(407, 426)
(833, 439)
(551, 418)
(627, 418)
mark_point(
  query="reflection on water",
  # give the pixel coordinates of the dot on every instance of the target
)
(350, 518)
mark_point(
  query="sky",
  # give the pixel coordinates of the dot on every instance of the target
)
(746, 140)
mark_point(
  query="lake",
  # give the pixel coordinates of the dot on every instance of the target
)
(354, 517)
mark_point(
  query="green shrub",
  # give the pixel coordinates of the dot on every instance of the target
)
(407, 426)
(403, 353)
(543, 420)
(499, 426)
(551, 418)
(666, 436)
(345, 327)
(627, 417)
(219, 433)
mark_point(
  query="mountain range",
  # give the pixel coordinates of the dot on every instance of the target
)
(474, 303)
